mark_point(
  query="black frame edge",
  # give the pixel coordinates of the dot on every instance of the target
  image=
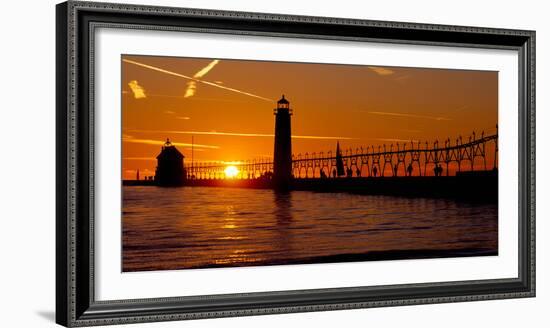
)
(74, 303)
(61, 151)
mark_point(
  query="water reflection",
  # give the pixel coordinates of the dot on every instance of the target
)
(283, 216)
(194, 227)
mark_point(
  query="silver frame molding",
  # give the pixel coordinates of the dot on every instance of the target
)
(77, 22)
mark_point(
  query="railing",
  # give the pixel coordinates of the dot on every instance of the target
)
(406, 159)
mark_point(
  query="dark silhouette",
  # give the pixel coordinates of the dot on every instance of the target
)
(374, 171)
(409, 169)
(282, 155)
(339, 162)
(438, 170)
(358, 172)
(170, 169)
(395, 167)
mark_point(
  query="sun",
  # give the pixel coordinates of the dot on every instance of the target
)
(231, 171)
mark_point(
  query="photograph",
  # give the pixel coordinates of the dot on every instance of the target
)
(236, 163)
(261, 161)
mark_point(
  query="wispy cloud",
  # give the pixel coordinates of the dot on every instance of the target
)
(381, 70)
(137, 89)
(237, 134)
(206, 69)
(219, 162)
(321, 137)
(161, 70)
(183, 117)
(169, 112)
(435, 118)
(394, 140)
(139, 158)
(191, 88)
(162, 142)
(151, 95)
(402, 78)
(461, 108)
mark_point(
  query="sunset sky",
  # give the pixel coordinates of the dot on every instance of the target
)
(227, 107)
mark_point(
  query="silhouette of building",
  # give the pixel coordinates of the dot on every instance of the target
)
(170, 169)
(282, 155)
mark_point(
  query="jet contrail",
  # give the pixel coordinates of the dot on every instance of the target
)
(236, 134)
(394, 140)
(161, 142)
(206, 69)
(436, 118)
(194, 79)
(192, 85)
(381, 70)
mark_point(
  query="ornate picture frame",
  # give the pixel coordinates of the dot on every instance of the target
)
(77, 23)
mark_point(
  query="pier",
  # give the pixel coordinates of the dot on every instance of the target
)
(445, 168)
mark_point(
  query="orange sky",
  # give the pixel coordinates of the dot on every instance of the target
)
(227, 106)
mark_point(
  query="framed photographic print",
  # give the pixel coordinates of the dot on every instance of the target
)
(214, 163)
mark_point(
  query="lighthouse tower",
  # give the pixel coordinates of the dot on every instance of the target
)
(282, 155)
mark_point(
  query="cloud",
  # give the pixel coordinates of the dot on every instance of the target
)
(169, 112)
(381, 70)
(139, 158)
(183, 118)
(402, 78)
(138, 90)
(210, 161)
(161, 70)
(435, 118)
(191, 88)
(322, 137)
(237, 134)
(162, 142)
(394, 140)
(461, 108)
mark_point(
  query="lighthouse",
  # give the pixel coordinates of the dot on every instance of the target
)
(282, 155)
(170, 168)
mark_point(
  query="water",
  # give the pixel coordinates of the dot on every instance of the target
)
(197, 227)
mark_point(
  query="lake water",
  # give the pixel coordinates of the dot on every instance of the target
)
(198, 227)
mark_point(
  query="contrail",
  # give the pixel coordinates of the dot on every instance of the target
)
(194, 79)
(394, 140)
(411, 115)
(206, 69)
(160, 142)
(236, 134)
(192, 85)
(381, 70)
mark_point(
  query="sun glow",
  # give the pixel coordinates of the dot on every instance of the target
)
(231, 171)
